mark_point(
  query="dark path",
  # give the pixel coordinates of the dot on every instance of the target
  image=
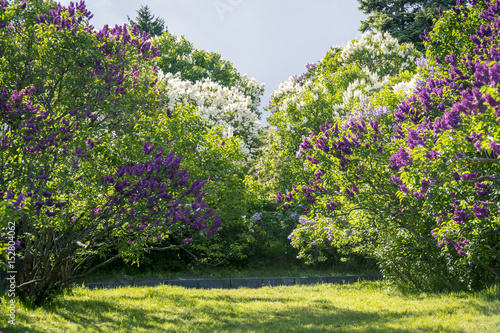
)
(237, 283)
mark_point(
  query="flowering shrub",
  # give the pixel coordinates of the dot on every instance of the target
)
(211, 118)
(208, 153)
(452, 133)
(342, 80)
(71, 181)
(178, 56)
(206, 80)
(218, 105)
(417, 187)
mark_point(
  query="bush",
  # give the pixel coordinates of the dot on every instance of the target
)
(416, 187)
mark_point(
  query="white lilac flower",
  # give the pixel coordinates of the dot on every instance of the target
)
(219, 105)
(405, 87)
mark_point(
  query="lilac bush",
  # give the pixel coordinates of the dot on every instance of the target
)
(343, 80)
(418, 188)
(76, 178)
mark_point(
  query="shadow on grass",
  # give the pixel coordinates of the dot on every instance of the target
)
(227, 313)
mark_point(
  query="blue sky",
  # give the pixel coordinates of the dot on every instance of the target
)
(266, 39)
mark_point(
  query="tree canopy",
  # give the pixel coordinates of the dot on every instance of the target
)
(147, 22)
(405, 20)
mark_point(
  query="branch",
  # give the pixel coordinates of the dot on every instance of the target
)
(163, 248)
(29, 282)
(482, 160)
(89, 271)
(490, 178)
(493, 248)
(190, 253)
(413, 232)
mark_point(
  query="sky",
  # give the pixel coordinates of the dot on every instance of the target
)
(269, 40)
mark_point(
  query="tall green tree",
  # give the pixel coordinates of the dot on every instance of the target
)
(405, 20)
(147, 22)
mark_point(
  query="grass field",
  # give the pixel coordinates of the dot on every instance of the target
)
(361, 307)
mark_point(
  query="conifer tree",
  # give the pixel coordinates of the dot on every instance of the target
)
(147, 22)
(405, 20)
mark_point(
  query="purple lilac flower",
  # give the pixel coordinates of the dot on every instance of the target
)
(348, 193)
(256, 217)
(422, 62)
(495, 147)
(147, 149)
(319, 174)
(215, 226)
(397, 180)
(404, 189)
(333, 206)
(400, 159)
(279, 198)
(461, 216)
(306, 145)
(418, 195)
(312, 159)
(90, 144)
(483, 188)
(481, 212)
(414, 139)
(310, 66)
(431, 155)
(469, 176)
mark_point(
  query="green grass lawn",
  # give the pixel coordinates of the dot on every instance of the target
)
(361, 307)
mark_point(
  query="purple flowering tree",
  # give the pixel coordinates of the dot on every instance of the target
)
(70, 182)
(418, 188)
(453, 132)
(343, 79)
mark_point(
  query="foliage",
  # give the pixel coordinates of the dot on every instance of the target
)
(147, 22)
(217, 105)
(417, 187)
(340, 81)
(406, 20)
(77, 180)
(180, 57)
(208, 153)
(215, 113)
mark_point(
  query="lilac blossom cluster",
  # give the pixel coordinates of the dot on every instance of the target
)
(300, 79)
(147, 187)
(365, 110)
